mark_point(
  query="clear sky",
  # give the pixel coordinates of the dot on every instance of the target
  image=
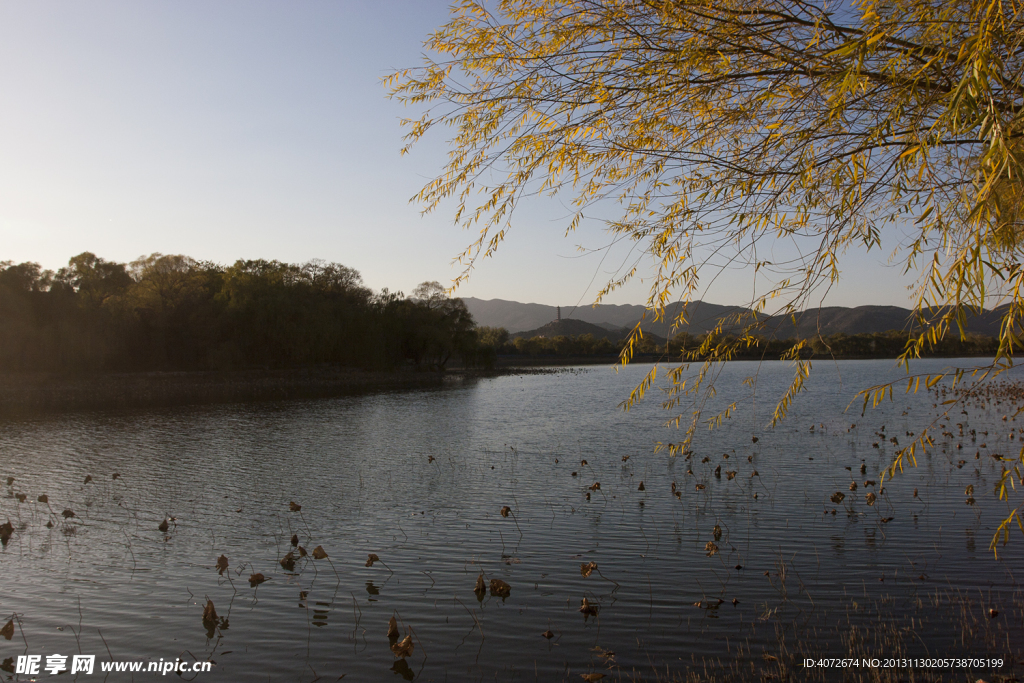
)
(247, 129)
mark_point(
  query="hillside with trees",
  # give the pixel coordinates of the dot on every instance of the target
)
(176, 313)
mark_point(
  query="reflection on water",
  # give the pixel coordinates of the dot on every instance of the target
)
(514, 528)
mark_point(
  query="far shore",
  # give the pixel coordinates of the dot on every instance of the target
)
(26, 394)
(41, 393)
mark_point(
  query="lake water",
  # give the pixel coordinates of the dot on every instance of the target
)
(420, 479)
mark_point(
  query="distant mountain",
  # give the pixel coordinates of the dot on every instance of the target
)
(567, 327)
(609, 320)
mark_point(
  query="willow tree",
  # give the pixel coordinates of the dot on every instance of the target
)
(727, 123)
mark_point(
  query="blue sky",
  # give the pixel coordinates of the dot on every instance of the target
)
(230, 129)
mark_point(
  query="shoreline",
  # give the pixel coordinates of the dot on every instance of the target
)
(29, 394)
(41, 393)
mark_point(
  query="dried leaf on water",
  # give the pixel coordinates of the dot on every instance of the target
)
(548, 634)
(590, 678)
(163, 526)
(302, 551)
(837, 497)
(641, 487)
(500, 588)
(8, 630)
(403, 648)
(88, 478)
(209, 614)
(21, 497)
(588, 609)
(870, 498)
(68, 513)
(319, 553)
(853, 486)
(587, 568)
(596, 486)
(730, 475)
(295, 540)
(256, 579)
(115, 475)
(480, 587)
(505, 510)
(371, 558)
(393, 628)
(294, 507)
(288, 562)
(717, 532)
(43, 498)
(969, 491)
(710, 549)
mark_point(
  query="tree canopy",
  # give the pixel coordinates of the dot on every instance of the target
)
(724, 126)
(172, 312)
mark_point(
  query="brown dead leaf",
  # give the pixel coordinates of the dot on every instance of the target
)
(295, 540)
(88, 478)
(837, 497)
(302, 551)
(588, 609)
(730, 475)
(319, 553)
(294, 507)
(403, 648)
(209, 613)
(163, 526)
(587, 568)
(717, 532)
(288, 562)
(870, 498)
(590, 678)
(43, 498)
(480, 588)
(222, 564)
(641, 487)
(596, 486)
(371, 558)
(68, 513)
(115, 475)
(505, 510)
(393, 628)
(21, 497)
(256, 579)
(548, 634)
(710, 549)
(500, 588)
(8, 630)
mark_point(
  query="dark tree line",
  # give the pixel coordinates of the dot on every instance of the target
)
(869, 345)
(177, 313)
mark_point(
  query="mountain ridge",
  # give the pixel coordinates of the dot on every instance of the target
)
(519, 318)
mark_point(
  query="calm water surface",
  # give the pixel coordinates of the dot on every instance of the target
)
(419, 479)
